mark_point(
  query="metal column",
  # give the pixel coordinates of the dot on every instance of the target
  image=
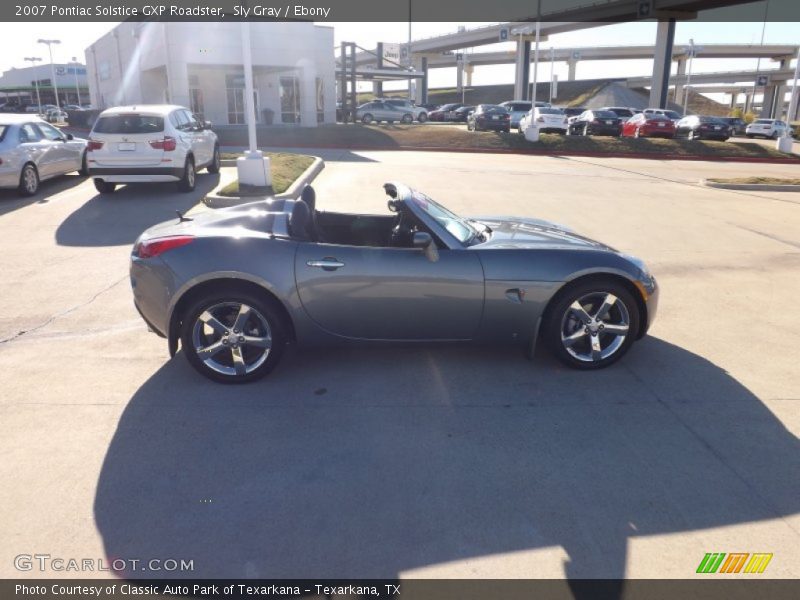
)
(662, 63)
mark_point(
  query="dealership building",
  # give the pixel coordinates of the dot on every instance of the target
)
(199, 65)
(28, 85)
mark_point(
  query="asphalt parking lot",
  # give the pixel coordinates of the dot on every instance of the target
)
(413, 462)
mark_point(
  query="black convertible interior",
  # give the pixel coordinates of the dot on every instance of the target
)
(389, 231)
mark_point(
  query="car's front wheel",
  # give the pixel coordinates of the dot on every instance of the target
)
(366, 119)
(407, 118)
(592, 324)
(233, 337)
(423, 116)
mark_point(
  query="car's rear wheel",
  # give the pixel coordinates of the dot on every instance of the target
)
(84, 170)
(104, 187)
(233, 337)
(215, 162)
(189, 179)
(591, 325)
(366, 119)
(28, 180)
(407, 119)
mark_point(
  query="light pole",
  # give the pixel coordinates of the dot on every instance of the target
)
(75, 64)
(52, 67)
(552, 56)
(33, 60)
(253, 168)
(688, 77)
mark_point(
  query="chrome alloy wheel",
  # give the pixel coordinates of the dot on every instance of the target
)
(30, 180)
(595, 326)
(232, 338)
(190, 173)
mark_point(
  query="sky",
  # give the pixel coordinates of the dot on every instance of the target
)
(18, 40)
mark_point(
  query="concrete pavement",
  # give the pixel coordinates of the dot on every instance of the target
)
(413, 462)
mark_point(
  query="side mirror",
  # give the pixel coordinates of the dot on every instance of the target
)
(70, 137)
(207, 124)
(423, 241)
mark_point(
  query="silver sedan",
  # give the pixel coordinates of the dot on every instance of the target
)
(32, 151)
(381, 111)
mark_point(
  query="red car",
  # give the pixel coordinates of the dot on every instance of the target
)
(440, 114)
(641, 125)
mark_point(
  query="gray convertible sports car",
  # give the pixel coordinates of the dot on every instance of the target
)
(234, 286)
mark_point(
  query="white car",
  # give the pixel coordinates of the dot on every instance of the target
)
(546, 118)
(664, 112)
(768, 128)
(150, 143)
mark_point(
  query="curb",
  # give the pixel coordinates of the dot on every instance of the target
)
(753, 187)
(214, 200)
(792, 159)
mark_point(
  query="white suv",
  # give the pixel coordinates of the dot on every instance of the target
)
(131, 144)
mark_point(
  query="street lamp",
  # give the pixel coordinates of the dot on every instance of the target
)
(52, 67)
(687, 90)
(34, 60)
(75, 64)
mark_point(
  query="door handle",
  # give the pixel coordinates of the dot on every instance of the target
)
(327, 264)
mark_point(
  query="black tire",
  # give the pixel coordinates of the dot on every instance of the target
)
(366, 119)
(560, 317)
(423, 117)
(189, 179)
(104, 187)
(407, 118)
(28, 180)
(84, 170)
(507, 130)
(213, 168)
(265, 311)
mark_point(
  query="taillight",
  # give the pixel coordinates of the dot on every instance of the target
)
(156, 246)
(168, 144)
(94, 145)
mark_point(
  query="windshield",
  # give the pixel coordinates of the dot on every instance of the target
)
(672, 114)
(457, 227)
(764, 121)
(605, 114)
(493, 109)
(549, 111)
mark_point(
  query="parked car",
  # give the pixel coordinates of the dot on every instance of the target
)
(72, 107)
(621, 111)
(440, 114)
(56, 115)
(572, 111)
(738, 126)
(419, 112)
(32, 151)
(670, 114)
(596, 122)
(517, 109)
(378, 111)
(653, 125)
(491, 117)
(233, 286)
(768, 128)
(547, 119)
(150, 143)
(696, 127)
(460, 114)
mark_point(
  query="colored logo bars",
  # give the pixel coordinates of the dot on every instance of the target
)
(735, 562)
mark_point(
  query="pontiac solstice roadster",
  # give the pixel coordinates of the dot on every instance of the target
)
(233, 286)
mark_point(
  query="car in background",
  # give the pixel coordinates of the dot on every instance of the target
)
(768, 128)
(653, 125)
(419, 112)
(378, 111)
(621, 111)
(460, 115)
(665, 112)
(32, 151)
(696, 127)
(572, 111)
(150, 143)
(596, 122)
(232, 287)
(517, 109)
(492, 117)
(72, 107)
(548, 119)
(56, 115)
(440, 114)
(738, 125)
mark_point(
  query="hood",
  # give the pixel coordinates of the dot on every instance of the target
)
(517, 233)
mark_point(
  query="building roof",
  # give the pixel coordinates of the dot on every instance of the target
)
(14, 118)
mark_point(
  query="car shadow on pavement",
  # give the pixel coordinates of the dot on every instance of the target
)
(117, 219)
(373, 462)
(10, 200)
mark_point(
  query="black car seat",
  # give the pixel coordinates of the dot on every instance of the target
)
(300, 226)
(309, 196)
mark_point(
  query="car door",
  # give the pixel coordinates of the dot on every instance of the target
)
(383, 293)
(198, 136)
(64, 156)
(36, 149)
